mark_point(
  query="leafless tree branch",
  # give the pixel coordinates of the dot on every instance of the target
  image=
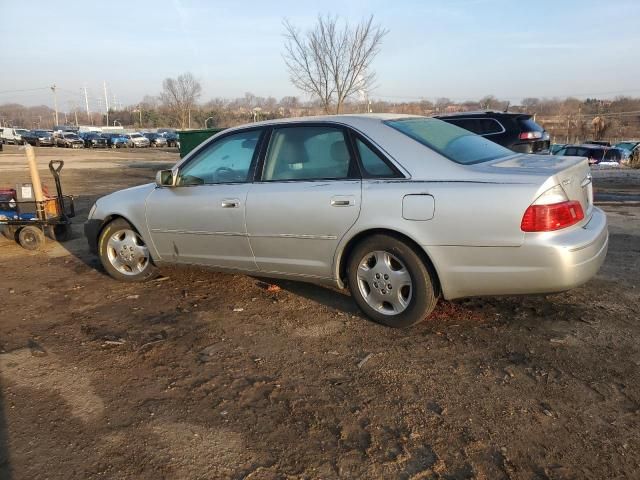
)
(332, 62)
(180, 96)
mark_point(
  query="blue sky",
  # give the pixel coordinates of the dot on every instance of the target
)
(461, 49)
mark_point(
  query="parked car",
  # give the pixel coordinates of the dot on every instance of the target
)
(69, 140)
(629, 148)
(12, 135)
(516, 131)
(93, 140)
(156, 140)
(38, 138)
(172, 139)
(402, 209)
(137, 140)
(595, 153)
(116, 140)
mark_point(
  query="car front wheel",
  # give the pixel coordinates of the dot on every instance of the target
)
(123, 253)
(390, 281)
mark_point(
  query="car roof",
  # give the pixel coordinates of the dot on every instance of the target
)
(482, 113)
(587, 145)
(346, 119)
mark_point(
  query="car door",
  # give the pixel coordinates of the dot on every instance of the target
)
(306, 199)
(201, 220)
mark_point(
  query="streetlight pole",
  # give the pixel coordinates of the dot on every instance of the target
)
(206, 120)
(118, 122)
(86, 104)
(55, 101)
(106, 101)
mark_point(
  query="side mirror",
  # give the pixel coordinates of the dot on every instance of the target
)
(164, 178)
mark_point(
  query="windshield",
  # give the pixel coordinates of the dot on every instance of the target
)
(455, 143)
(71, 136)
(628, 146)
(21, 131)
(135, 135)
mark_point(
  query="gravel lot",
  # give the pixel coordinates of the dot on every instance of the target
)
(201, 375)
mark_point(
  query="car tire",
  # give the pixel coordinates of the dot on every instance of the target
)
(124, 254)
(391, 282)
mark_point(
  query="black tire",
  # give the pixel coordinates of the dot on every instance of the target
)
(10, 233)
(423, 291)
(149, 272)
(31, 238)
(60, 233)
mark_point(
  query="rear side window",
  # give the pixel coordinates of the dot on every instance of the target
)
(480, 126)
(372, 164)
(528, 125)
(307, 153)
(452, 142)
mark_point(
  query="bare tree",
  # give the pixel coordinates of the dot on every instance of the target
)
(180, 95)
(332, 62)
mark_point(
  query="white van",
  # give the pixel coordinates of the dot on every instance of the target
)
(12, 135)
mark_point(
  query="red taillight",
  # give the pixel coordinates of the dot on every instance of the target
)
(546, 218)
(530, 135)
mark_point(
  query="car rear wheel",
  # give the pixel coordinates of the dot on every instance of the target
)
(123, 253)
(390, 281)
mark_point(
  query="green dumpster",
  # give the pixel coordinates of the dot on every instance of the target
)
(190, 139)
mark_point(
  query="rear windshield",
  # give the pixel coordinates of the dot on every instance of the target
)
(455, 143)
(528, 125)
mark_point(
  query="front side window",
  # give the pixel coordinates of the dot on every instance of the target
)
(452, 142)
(307, 153)
(227, 160)
(372, 164)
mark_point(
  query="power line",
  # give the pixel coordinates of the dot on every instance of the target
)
(23, 90)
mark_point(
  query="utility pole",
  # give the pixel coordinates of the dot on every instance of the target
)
(106, 101)
(55, 101)
(86, 104)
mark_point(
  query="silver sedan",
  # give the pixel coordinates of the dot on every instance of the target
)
(401, 209)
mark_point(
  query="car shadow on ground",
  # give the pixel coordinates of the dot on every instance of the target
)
(327, 296)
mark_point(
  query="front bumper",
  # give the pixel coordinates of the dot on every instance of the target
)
(546, 263)
(92, 231)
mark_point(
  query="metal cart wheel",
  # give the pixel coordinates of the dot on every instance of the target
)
(60, 233)
(31, 238)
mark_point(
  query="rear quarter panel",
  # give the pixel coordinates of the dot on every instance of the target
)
(466, 213)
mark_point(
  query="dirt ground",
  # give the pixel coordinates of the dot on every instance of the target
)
(201, 375)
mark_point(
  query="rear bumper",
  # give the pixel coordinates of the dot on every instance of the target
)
(545, 263)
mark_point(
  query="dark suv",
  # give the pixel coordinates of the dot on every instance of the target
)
(516, 131)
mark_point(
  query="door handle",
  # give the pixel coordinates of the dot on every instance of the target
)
(231, 203)
(341, 202)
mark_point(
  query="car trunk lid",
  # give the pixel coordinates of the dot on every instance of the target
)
(571, 173)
